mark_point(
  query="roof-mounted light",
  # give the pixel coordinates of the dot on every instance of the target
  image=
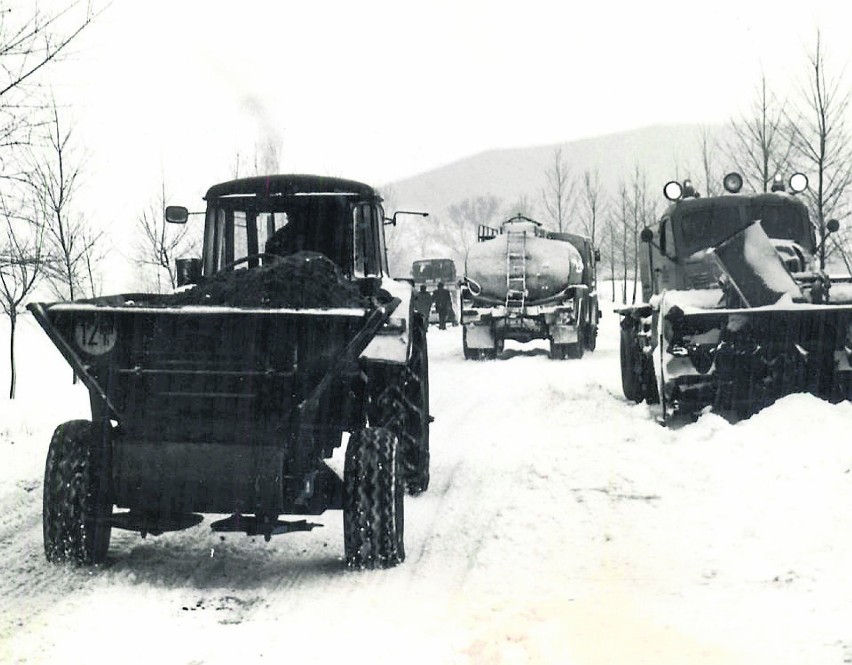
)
(672, 190)
(732, 182)
(778, 184)
(798, 183)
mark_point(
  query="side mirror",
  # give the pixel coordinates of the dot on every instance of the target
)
(832, 225)
(391, 221)
(597, 256)
(188, 270)
(646, 235)
(176, 214)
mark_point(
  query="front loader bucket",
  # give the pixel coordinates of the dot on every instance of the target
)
(211, 402)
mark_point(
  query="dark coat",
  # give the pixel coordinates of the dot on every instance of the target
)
(443, 300)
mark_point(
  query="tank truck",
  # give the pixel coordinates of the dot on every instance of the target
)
(523, 283)
(737, 309)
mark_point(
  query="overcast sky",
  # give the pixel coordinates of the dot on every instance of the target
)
(379, 90)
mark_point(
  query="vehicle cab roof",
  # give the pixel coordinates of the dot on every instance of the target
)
(288, 185)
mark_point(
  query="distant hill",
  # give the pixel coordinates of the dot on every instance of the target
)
(663, 153)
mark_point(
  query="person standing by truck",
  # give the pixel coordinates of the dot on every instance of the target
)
(423, 303)
(443, 305)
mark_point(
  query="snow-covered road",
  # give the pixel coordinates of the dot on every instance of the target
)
(563, 525)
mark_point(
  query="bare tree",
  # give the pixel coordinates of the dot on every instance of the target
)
(72, 245)
(20, 269)
(558, 195)
(523, 205)
(161, 243)
(592, 203)
(464, 218)
(30, 40)
(635, 212)
(708, 149)
(266, 160)
(642, 215)
(822, 141)
(760, 147)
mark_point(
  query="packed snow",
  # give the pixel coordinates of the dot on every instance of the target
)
(563, 525)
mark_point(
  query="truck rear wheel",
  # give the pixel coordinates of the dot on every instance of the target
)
(574, 350)
(630, 383)
(479, 353)
(591, 339)
(469, 354)
(373, 500)
(77, 503)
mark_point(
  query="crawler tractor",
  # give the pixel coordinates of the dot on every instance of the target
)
(737, 310)
(206, 406)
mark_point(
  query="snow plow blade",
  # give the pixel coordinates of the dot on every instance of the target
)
(746, 358)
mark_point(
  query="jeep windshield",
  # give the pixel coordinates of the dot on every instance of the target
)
(707, 223)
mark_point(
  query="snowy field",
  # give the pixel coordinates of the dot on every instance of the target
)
(563, 525)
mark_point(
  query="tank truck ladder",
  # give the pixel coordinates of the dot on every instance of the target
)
(516, 270)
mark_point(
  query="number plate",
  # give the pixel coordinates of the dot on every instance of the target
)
(95, 335)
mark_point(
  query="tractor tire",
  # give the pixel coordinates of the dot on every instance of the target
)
(630, 383)
(373, 519)
(415, 391)
(77, 503)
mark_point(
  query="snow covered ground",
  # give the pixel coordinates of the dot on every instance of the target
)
(563, 525)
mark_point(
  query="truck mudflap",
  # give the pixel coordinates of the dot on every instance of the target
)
(216, 408)
(746, 358)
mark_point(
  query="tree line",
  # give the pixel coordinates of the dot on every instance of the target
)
(47, 240)
(773, 138)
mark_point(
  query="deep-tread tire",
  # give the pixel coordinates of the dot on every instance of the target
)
(630, 383)
(76, 502)
(373, 520)
(415, 453)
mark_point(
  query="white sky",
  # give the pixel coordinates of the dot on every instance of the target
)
(379, 90)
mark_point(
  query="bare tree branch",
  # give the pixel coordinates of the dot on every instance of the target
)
(558, 195)
(822, 142)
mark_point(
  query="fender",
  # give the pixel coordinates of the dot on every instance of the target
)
(392, 343)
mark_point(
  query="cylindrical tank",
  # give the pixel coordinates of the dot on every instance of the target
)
(551, 266)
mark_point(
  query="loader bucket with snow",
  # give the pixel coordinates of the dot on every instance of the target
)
(212, 402)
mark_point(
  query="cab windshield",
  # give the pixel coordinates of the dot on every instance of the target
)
(707, 226)
(443, 270)
(240, 229)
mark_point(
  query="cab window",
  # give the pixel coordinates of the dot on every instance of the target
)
(369, 248)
